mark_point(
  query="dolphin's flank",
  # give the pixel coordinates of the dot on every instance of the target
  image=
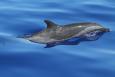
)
(70, 34)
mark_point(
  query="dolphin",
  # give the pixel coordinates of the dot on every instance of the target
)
(70, 34)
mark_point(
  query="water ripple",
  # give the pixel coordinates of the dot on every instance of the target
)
(89, 59)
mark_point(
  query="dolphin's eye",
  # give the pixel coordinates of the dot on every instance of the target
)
(92, 33)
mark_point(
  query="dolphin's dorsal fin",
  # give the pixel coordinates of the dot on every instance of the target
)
(50, 24)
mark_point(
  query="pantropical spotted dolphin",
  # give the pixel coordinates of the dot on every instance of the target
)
(70, 34)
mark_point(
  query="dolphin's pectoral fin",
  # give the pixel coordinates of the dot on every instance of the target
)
(50, 24)
(49, 45)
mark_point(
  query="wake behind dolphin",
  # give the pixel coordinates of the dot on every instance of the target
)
(70, 34)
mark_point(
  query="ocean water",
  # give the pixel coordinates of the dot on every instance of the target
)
(21, 58)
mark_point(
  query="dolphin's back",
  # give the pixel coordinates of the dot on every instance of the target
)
(82, 24)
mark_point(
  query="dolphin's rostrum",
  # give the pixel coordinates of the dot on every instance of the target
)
(71, 34)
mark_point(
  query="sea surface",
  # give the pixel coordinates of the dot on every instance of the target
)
(21, 58)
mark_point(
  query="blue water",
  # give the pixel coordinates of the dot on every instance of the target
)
(21, 58)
